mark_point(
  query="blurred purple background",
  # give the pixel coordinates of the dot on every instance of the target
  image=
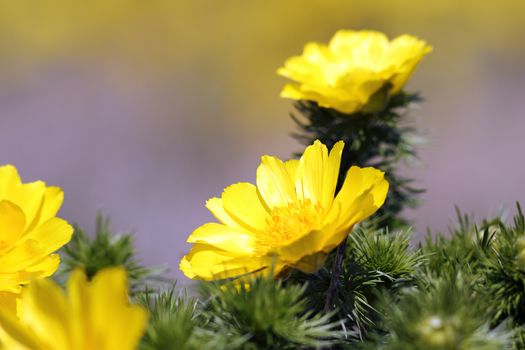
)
(146, 109)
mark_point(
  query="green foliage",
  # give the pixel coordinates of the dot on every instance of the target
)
(372, 139)
(171, 320)
(105, 249)
(175, 323)
(464, 290)
(387, 256)
(445, 313)
(491, 254)
(504, 275)
(268, 314)
(464, 248)
(375, 261)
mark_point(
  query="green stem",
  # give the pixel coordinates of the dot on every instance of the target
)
(336, 272)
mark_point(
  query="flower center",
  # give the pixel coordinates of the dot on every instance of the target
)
(288, 223)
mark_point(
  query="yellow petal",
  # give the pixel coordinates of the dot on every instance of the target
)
(52, 234)
(223, 237)
(310, 172)
(53, 198)
(22, 256)
(360, 208)
(12, 223)
(357, 181)
(108, 292)
(317, 173)
(241, 201)
(9, 178)
(291, 166)
(29, 197)
(366, 45)
(207, 263)
(9, 282)
(216, 207)
(42, 241)
(14, 335)
(43, 307)
(94, 315)
(274, 183)
(79, 303)
(8, 302)
(311, 243)
(40, 269)
(311, 263)
(292, 91)
(406, 51)
(363, 192)
(331, 174)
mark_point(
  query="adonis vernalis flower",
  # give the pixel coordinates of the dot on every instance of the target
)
(290, 219)
(347, 72)
(29, 232)
(92, 315)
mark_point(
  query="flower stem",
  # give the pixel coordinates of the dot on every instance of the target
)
(334, 280)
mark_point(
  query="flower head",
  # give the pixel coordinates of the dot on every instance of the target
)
(289, 219)
(29, 232)
(353, 67)
(93, 315)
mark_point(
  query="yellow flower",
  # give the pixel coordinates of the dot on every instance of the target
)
(289, 220)
(29, 232)
(93, 315)
(354, 66)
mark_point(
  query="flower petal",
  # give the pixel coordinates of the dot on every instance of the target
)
(53, 198)
(12, 223)
(9, 282)
(109, 297)
(206, 262)
(311, 243)
(16, 335)
(44, 307)
(274, 183)
(9, 178)
(241, 201)
(216, 207)
(230, 239)
(52, 234)
(317, 173)
(29, 197)
(42, 241)
(291, 166)
(311, 263)
(44, 268)
(363, 192)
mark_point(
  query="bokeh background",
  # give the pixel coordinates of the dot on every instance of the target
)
(144, 109)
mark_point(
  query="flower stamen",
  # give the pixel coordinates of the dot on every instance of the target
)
(288, 223)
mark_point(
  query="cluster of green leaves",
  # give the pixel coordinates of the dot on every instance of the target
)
(376, 261)
(444, 313)
(491, 255)
(463, 290)
(268, 314)
(178, 322)
(263, 314)
(503, 275)
(105, 249)
(378, 139)
(460, 290)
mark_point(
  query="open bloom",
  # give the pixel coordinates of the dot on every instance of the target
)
(353, 67)
(93, 315)
(289, 220)
(29, 232)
